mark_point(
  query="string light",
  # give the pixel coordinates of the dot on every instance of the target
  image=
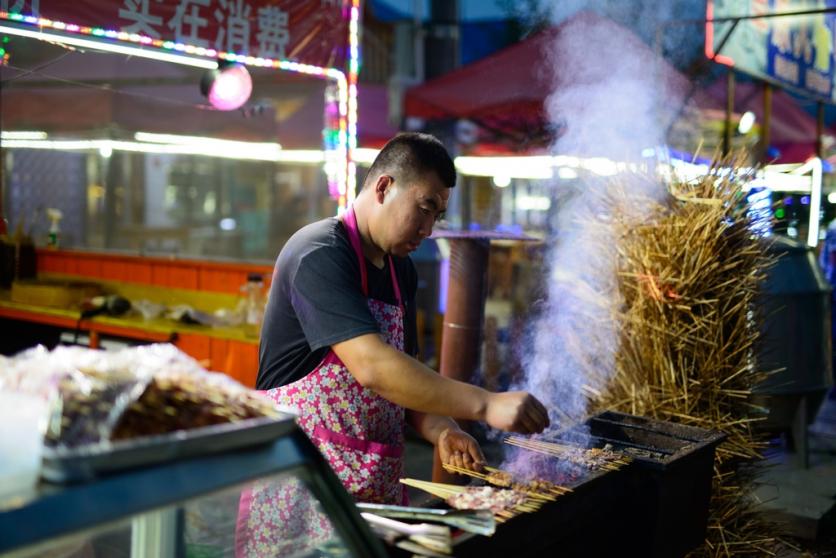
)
(116, 47)
(343, 173)
(169, 144)
(23, 135)
(350, 131)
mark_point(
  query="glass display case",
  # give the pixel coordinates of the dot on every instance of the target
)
(186, 508)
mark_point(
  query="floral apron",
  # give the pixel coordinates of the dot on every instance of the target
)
(359, 432)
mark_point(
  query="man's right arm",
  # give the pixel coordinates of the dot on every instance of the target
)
(405, 381)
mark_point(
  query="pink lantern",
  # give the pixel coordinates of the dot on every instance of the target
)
(228, 87)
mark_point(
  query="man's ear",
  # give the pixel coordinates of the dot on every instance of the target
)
(382, 186)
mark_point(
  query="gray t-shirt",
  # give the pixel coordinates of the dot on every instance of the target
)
(316, 300)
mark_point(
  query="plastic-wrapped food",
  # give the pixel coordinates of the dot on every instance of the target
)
(177, 400)
(99, 396)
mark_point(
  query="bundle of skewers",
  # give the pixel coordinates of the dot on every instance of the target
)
(536, 489)
(504, 503)
(591, 458)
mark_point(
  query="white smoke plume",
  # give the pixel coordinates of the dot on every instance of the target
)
(613, 99)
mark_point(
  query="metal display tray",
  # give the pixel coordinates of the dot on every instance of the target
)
(83, 463)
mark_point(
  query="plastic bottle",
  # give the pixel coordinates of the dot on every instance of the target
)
(254, 304)
(54, 216)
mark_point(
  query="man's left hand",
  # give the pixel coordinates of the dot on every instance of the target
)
(460, 449)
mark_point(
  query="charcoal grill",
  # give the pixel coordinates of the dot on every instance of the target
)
(656, 506)
(670, 479)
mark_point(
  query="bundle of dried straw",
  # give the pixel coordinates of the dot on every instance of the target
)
(688, 282)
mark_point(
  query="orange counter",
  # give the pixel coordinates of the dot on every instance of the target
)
(202, 284)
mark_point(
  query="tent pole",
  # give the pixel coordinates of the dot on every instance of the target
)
(819, 129)
(767, 120)
(727, 128)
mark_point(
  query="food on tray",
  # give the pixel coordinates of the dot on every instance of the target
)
(85, 404)
(98, 396)
(178, 402)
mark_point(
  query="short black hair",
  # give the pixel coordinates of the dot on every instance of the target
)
(413, 154)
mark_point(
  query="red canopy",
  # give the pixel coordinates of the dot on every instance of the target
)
(505, 93)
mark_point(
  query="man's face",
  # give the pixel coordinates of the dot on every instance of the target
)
(409, 211)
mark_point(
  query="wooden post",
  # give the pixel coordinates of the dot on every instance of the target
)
(462, 337)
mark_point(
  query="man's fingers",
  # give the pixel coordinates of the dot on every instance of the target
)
(476, 455)
(537, 411)
(537, 419)
(478, 465)
(529, 424)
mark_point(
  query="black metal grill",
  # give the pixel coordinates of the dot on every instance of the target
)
(655, 506)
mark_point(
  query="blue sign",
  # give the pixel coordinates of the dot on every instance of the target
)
(793, 51)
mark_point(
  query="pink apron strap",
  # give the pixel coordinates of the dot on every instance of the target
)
(350, 221)
(366, 446)
(395, 285)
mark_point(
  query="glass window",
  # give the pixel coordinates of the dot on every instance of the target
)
(128, 151)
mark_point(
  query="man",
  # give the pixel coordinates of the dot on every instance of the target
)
(339, 332)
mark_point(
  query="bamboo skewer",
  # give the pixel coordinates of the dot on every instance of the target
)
(435, 488)
(488, 479)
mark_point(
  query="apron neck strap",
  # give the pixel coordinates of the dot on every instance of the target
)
(350, 222)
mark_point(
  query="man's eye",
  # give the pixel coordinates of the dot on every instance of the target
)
(425, 211)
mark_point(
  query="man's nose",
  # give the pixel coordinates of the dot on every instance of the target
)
(426, 229)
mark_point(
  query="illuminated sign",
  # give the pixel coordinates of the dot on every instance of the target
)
(309, 31)
(793, 51)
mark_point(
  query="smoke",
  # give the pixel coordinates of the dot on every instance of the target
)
(612, 99)
(611, 90)
(658, 24)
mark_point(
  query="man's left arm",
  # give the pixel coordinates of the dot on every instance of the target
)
(455, 447)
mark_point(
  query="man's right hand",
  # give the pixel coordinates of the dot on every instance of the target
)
(516, 411)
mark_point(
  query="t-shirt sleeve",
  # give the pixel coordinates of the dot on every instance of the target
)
(328, 299)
